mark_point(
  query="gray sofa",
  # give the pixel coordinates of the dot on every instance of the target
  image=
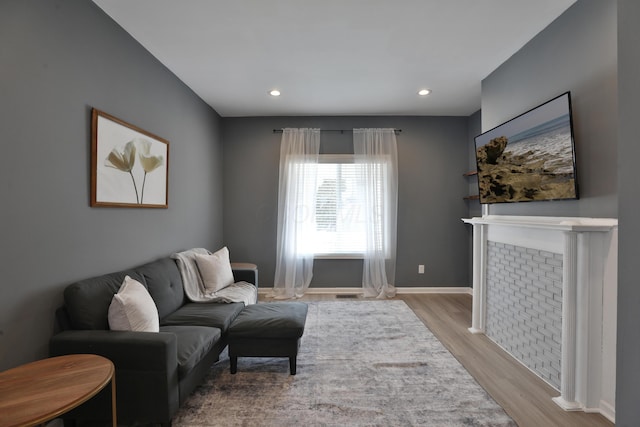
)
(155, 372)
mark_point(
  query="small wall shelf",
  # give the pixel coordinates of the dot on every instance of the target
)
(473, 196)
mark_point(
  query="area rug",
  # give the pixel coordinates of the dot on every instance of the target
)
(361, 363)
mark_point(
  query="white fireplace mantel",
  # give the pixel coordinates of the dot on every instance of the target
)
(589, 288)
(577, 224)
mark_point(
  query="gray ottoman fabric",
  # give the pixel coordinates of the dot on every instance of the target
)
(270, 320)
(267, 330)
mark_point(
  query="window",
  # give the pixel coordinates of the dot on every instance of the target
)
(339, 229)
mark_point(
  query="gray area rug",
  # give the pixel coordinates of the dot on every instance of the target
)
(361, 363)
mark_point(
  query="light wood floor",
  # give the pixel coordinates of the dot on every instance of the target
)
(524, 396)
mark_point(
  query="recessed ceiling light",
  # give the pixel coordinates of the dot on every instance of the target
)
(274, 92)
(424, 92)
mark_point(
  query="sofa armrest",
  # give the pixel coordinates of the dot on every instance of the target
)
(245, 272)
(146, 373)
(131, 350)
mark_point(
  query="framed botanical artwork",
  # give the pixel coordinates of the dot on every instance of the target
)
(129, 166)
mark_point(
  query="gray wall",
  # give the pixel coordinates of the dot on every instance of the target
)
(57, 60)
(628, 364)
(474, 128)
(432, 156)
(577, 53)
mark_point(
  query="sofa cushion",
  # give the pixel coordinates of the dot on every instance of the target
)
(87, 301)
(133, 309)
(164, 283)
(215, 270)
(194, 342)
(217, 315)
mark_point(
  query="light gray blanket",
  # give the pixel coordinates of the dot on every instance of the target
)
(194, 286)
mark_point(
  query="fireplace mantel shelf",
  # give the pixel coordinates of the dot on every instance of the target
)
(547, 222)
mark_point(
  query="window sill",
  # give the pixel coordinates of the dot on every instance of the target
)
(338, 256)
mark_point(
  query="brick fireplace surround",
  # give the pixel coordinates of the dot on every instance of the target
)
(544, 289)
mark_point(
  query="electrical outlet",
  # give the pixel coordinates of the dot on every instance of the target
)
(421, 269)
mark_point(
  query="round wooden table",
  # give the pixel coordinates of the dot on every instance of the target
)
(40, 391)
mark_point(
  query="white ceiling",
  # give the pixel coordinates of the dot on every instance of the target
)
(334, 57)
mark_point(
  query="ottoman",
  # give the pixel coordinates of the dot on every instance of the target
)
(267, 330)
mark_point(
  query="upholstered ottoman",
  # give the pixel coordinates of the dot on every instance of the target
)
(267, 330)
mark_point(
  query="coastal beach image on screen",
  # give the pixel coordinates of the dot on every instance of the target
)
(530, 157)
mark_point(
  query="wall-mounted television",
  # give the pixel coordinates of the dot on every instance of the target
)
(530, 157)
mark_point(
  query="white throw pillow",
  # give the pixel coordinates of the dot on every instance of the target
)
(133, 309)
(215, 270)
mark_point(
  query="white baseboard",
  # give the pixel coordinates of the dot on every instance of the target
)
(399, 290)
(435, 290)
(608, 411)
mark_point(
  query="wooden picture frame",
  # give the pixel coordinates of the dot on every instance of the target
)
(129, 166)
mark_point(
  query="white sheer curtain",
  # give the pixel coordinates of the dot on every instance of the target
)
(375, 150)
(299, 150)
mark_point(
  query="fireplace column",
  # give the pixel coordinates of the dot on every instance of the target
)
(479, 310)
(567, 398)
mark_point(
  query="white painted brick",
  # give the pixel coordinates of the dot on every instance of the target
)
(540, 311)
(526, 267)
(545, 267)
(545, 293)
(554, 262)
(525, 289)
(548, 373)
(545, 349)
(523, 300)
(537, 324)
(555, 288)
(555, 330)
(553, 275)
(538, 297)
(518, 275)
(547, 334)
(522, 317)
(548, 308)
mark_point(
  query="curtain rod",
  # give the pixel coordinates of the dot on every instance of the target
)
(335, 130)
